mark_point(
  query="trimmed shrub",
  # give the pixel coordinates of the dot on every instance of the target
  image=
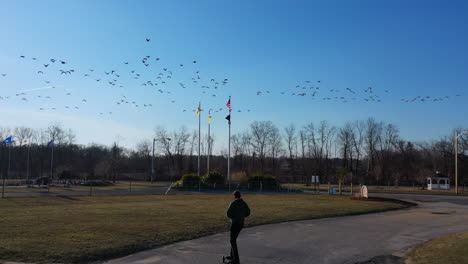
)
(267, 181)
(68, 175)
(239, 177)
(212, 178)
(189, 181)
(42, 180)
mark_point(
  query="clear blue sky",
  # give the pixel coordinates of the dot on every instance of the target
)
(408, 48)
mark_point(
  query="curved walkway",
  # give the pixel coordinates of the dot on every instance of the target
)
(334, 240)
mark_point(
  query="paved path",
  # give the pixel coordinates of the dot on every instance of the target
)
(334, 240)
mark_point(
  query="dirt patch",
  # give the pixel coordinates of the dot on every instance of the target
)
(383, 199)
(387, 259)
(444, 212)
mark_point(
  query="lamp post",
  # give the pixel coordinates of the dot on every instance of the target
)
(152, 163)
(456, 158)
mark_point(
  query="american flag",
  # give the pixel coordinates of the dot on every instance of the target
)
(228, 104)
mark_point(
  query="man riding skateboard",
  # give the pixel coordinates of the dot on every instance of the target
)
(237, 211)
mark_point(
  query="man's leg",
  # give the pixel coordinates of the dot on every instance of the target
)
(235, 230)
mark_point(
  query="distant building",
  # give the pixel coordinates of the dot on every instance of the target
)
(438, 182)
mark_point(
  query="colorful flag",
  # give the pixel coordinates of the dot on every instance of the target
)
(228, 104)
(228, 118)
(51, 143)
(7, 140)
(209, 119)
(198, 111)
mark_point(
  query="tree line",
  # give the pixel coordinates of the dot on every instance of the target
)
(369, 151)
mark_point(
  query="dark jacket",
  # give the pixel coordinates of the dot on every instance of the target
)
(237, 211)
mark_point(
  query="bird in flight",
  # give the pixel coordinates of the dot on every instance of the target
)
(148, 40)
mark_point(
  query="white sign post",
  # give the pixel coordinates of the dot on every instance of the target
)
(364, 192)
(315, 182)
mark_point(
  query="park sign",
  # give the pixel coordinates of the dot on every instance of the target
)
(315, 179)
(364, 192)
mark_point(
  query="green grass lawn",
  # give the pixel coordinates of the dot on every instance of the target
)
(451, 249)
(86, 228)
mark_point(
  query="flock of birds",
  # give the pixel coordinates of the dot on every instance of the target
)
(314, 90)
(163, 81)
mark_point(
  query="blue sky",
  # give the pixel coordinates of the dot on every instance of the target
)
(408, 48)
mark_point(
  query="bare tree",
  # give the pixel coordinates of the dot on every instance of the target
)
(236, 142)
(387, 143)
(291, 142)
(23, 134)
(275, 143)
(165, 144)
(372, 137)
(326, 133)
(115, 158)
(5, 132)
(69, 137)
(56, 133)
(304, 141)
(345, 138)
(291, 139)
(180, 139)
(261, 131)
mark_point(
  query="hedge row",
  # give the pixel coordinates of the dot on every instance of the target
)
(215, 178)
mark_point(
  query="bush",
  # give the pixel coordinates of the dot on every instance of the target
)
(267, 181)
(189, 181)
(42, 181)
(212, 178)
(68, 175)
(239, 177)
(99, 183)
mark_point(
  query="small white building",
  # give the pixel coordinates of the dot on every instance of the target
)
(438, 182)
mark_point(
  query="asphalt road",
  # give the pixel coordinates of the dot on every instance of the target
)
(347, 240)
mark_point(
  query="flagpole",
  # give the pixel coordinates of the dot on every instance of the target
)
(229, 156)
(9, 158)
(8, 172)
(209, 144)
(199, 136)
(229, 147)
(51, 167)
(152, 162)
(27, 164)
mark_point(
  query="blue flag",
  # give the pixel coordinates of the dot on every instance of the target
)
(7, 140)
(51, 143)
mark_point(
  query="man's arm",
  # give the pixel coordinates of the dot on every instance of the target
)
(230, 211)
